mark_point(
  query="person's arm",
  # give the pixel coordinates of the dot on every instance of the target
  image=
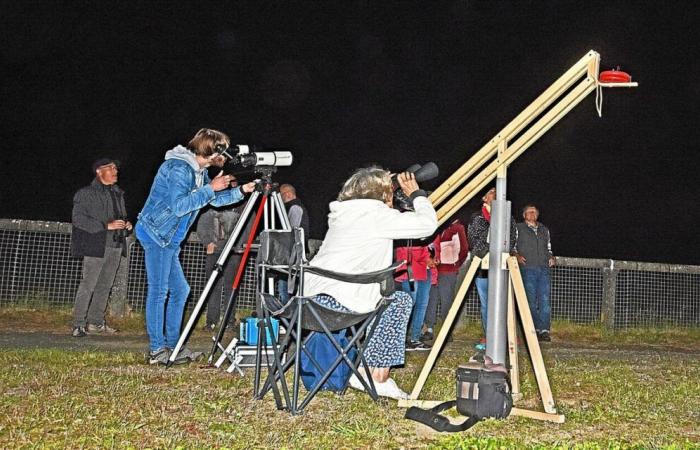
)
(478, 231)
(421, 222)
(83, 215)
(295, 215)
(463, 246)
(513, 236)
(552, 260)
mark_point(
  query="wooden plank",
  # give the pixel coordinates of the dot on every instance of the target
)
(542, 102)
(529, 137)
(549, 417)
(513, 344)
(533, 344)
(442, 335)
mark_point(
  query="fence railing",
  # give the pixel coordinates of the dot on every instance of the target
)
(36, 268)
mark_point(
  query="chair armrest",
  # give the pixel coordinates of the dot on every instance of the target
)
(361, 278)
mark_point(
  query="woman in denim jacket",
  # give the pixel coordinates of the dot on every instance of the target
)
(180, 189)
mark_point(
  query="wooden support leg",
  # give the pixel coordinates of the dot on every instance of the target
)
(442, 335)
(533, 344)
(513, 345)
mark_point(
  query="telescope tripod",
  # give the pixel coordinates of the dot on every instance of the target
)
(270, 203)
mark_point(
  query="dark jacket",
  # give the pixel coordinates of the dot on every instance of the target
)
(298, 216)
(534, 246)
(478, 233)
(93, 209)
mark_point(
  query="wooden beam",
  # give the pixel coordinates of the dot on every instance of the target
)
(541, 103)
(447, 324)
(533, 344)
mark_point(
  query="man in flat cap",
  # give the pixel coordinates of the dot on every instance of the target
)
(98, 236)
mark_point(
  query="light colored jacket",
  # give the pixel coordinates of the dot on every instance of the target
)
(359, 240)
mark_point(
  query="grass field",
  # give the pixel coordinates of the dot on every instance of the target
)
(636, 389)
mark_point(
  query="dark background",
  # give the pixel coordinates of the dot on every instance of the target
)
(345, 84)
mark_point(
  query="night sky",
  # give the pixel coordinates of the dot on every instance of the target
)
(348, 83)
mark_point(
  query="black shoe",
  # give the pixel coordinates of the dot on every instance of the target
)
(427, 336)
(78, 332)
(416, 346)
(543, 336)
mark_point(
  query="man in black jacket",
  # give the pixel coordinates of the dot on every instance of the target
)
(98, 236)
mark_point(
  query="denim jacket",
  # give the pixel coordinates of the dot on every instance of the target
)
(180, 189)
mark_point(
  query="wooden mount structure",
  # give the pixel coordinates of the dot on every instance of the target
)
(492, 161)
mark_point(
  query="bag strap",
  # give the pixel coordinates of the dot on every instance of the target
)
(431, 418)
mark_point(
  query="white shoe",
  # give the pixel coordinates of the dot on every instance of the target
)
(355, 383)
(390, 389)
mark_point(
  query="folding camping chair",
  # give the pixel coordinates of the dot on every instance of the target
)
(282, 252)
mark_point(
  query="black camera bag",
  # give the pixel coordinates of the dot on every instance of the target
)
(483, 391)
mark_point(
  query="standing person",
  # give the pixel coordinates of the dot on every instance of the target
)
(361, 228)
(478, 233)
(534, 253)
(451, 250)
(214, 228)
(415, 280)
(298, 218)
(180, 189)
(99, 227)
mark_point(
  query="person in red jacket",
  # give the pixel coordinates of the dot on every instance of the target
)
(451, 250)
(415, 280)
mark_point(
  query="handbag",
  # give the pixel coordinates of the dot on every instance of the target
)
(483, 391)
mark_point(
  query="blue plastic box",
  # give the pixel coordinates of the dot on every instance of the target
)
(249, 330)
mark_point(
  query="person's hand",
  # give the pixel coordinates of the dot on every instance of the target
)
(210, 248)
(521, 259)
(128, 226)
(552, 261)
(116, 225)
(221, 181)
(248, 187)
(407, 182)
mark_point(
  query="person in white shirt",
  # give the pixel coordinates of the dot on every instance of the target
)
(362, 225)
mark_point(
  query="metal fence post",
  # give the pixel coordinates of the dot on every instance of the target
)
(607, 309)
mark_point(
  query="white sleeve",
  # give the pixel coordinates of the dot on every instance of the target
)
(422, 222)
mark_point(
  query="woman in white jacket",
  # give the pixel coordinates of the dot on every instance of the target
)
(361, 227)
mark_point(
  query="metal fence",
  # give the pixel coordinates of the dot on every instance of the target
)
(36, 268)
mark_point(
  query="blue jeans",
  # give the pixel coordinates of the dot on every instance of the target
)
(164, 275)
(536, 281)
(482, 288)
(420, 295)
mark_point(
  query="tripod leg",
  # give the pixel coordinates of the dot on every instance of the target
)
(230, 307)
(184, 336)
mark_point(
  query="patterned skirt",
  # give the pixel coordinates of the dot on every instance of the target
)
(388, 344)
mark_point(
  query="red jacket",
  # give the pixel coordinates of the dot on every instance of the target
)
(444, 238)
(418, 259)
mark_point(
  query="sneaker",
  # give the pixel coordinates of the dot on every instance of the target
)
(543, 336)
(480, 347)
(390, 389)
(159, 356)
(427, 336)
(416, 346)
(78, 332)
(104, 328)
(185, 355)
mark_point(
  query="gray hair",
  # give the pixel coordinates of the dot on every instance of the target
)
(369, 183)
